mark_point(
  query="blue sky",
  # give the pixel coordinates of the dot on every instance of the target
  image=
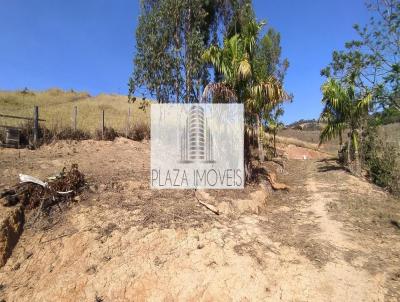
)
(88, 45)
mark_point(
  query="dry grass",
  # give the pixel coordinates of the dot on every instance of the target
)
(56, 106)
(293, 141)
(332, 149)
(310, 136)
(389, 133)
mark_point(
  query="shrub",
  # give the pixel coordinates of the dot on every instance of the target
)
(139, 131)
(384, 170)
(109, 134)
(27, 133)
(47, 135)
(70, 133)
(382, 161)
(26, 92)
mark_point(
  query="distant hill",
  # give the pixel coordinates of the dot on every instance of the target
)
(307, 125)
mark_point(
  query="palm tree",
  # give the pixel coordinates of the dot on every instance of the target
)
(344, 110)
(234, 61)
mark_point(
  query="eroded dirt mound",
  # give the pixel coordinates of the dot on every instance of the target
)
(11, 226)
(19, 201)
(295, 152)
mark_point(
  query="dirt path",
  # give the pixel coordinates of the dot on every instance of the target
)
(329, 239)
(330, 230)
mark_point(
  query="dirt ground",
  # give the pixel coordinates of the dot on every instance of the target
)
(332, 237)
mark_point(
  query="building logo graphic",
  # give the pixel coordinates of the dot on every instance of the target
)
(196, 142)
(197, 146)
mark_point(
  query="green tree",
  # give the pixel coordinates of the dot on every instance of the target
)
(269, 64)
(373, 61)
(268, 56)
(169, 42)
(170, 39)
(344, 109)
(236, 61)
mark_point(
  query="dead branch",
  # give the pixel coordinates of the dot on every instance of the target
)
(33, 193)
(207, 205)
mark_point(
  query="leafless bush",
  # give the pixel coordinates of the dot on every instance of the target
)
(59, 131)
(70, 133)
(46, 135)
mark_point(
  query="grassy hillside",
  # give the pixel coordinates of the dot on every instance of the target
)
(389, 133)
(56, 106)
(310, 136)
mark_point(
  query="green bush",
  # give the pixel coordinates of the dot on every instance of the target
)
(381, 160)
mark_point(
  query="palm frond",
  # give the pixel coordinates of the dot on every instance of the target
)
(219, 92)
(270, 91)
(331, 130)
(336, 99)
(363, 105)
(244, 70)
(252, 29)
(213, 55)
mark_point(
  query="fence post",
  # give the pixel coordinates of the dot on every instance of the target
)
(128, 123)
(102, 124)
(74, 115)
(35, 125)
